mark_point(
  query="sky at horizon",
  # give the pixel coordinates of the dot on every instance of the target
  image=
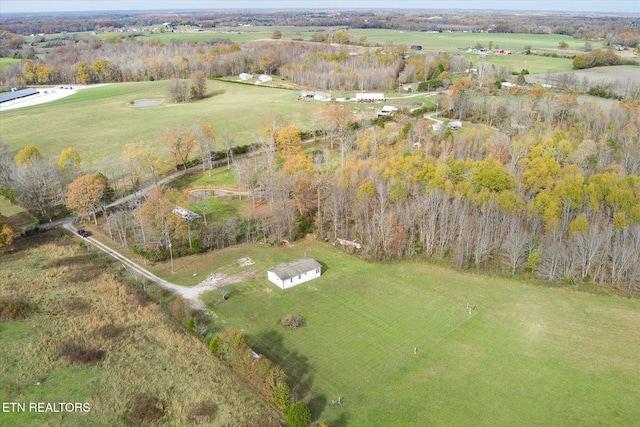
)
(31, 6)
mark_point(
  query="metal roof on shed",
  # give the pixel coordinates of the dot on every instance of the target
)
(16, 94)
(291, 269)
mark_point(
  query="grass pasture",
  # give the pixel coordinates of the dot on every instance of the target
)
(458, 40)
(16, 215)
(622, 74)
(5, 61)
(528, 355)
(83, 298)
(99, 122)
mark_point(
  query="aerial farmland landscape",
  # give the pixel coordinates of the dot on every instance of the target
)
(319, 213)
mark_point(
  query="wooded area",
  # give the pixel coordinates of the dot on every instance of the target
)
(537, 181)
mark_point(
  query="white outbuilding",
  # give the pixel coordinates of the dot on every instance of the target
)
(370, 97)
(292, 273)
(264, 78)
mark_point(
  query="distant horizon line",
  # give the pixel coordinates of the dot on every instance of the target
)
(196, 9)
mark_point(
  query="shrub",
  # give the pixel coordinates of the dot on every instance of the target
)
(202, 412)
(292, 322)
(14, 308)
(426, 85)
(299, 415)
(144, 409)
(79, 354)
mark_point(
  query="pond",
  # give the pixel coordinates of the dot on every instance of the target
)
(147, 102)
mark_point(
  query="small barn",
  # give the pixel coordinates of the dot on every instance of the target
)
(245, 76)
(387, 110)
(292, 273)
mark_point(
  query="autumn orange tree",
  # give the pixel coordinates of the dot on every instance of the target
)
(288, 141)
(157, 222)
(84, 195)
(6, 232)
(180, 142)
(300, 168)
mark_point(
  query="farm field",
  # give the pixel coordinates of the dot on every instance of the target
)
(528, 355)
(460, 40)
(240, 34)
(535, 64)
(451, 41)
(99, 122)
(621, 74)
(5, 61)
(84, 305)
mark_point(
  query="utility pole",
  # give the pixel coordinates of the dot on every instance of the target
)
(170, 252)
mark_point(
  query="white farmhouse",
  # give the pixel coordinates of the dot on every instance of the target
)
(290, 274)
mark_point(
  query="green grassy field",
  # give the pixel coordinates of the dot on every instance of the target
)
(5, 61)
(535, 64)
(458, 40)
(16, 215)
(83, 298)
(528, 355)
(99, 122)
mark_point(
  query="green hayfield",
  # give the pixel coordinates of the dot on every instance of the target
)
(98, 122)
(5, 61)
(534, 63)
(459, 40)
(529, 355)
(16, 215)
(239, 34)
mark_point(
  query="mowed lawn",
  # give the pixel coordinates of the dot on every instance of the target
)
(99, 122)
(528, 355)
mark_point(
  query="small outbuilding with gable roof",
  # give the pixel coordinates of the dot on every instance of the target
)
(292, 273)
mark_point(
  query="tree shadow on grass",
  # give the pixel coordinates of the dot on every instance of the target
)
(213, 93)
(294, 364)
(341, 421)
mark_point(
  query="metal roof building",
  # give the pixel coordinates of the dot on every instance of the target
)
(17, 94)
(293, 273)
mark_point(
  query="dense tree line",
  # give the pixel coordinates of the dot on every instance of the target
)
(560, 202)
(559, 197)
(121, 59)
